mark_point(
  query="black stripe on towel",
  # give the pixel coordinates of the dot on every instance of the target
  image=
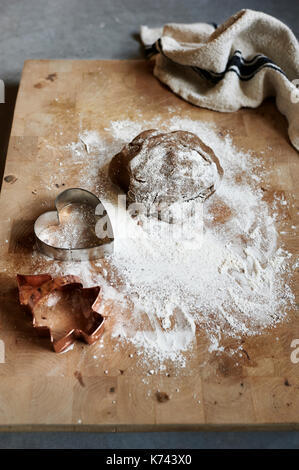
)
(150, 51)
(245, 69)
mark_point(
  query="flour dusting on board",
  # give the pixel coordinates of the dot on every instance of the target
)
(224, 275)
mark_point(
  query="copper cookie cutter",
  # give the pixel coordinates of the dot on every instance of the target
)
(85, 323)
(51, 218)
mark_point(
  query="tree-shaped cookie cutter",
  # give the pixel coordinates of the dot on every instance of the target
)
(51, 218)
(34, 289)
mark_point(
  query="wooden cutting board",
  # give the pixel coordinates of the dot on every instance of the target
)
(42, 390)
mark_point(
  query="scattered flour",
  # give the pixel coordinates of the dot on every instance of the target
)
(52, 300)
(222, 274)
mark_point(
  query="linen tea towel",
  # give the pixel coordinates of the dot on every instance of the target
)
(249, 57)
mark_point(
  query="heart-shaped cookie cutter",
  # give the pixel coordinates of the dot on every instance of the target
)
(64, 199)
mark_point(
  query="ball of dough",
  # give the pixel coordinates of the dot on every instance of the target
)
(162, 170)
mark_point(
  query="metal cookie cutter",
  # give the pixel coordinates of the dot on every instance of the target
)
(84, 320)
(64, 199)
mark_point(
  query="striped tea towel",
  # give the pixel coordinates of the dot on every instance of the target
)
(246, 59)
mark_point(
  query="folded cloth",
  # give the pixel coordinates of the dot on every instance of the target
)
(249, 57)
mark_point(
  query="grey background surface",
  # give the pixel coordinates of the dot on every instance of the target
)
(108, 29)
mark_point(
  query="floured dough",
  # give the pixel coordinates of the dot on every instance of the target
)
(165, 170)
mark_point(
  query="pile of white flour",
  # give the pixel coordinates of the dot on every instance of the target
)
(224, 273)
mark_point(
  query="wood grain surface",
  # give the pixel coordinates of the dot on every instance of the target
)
(43, 390)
